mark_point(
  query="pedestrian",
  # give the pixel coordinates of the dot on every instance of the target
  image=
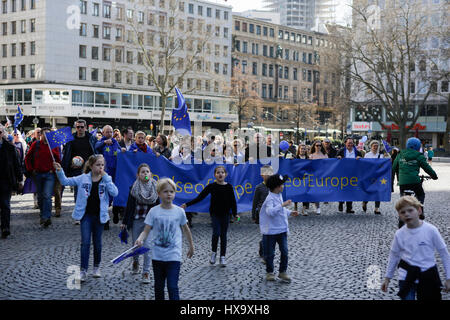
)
(302, 154)
(318, 152)
(166, 221)
(413, 253)
(127, 140)
(430, 155)
(331, 152)
(91, 207)
(108, 146)
(139, 144)
(259, 196)
(274, 227)
(408, 164)
(349, 151)
(11, 180)
(161, 146)
(222, 202)
(82, 145)
(374, 153)
(394, 154)
(39, 161)
(141, 199)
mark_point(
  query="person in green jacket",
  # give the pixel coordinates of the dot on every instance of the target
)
(430, 155)
(407, 164)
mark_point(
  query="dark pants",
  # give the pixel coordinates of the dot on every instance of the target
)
(417, 189)
(269, 243)
(5, 205)
(90, 225)
(170, 271)
(220, 229)
(348, 204)
(377, 204)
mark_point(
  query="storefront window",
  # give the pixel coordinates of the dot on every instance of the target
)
(77, 96)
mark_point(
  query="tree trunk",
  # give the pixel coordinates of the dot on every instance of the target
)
(402, 134)
(163, 113)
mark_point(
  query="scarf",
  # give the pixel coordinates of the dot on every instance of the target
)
(144, 192)
(143, 147)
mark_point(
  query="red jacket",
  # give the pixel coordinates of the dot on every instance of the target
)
(42, 161)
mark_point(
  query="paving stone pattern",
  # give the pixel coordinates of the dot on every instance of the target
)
(331, 256)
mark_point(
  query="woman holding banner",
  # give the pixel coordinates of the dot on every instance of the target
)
(318, 152)
(302, 154)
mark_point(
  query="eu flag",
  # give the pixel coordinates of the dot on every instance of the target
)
(18, 118)
(59, 137)
(180, 116)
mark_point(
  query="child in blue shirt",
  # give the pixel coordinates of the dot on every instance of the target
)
(166, 221)
(274, 226)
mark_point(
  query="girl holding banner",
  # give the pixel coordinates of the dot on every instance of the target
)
(222, 202)
(318, 152)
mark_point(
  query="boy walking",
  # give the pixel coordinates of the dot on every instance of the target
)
(274, 226)
(413, 252)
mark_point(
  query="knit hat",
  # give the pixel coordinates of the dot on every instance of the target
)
(413, 143)
(275, 181)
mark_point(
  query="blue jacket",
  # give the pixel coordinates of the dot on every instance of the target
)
(134, 146)
(109, 153)
(106, 189)
(67, 159)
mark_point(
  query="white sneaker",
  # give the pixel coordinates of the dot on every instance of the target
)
(76, 222)
(83, 276)
(223, 262)
(146, 278)
(213, 258)
(97, 273)
(318, 211)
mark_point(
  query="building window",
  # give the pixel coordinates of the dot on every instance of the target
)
(244, 47)
(22, 71)
(130, 57)
(106, 54)
(106, 11)
(294, 74)
(244, 26)
(5, 28)
(32, 4)
(13, 5)
(83, 7)
(94, 53)
(32, 71)
(225, 69)
(258, 30)
(209, 12)
(271, 70)
(118, 77)
(217, 14)
(237, 25)
(264, 69)
(32, 48)
(106, 76)
(4, 6)
(4, 50)
(191, 8)
(83, 29)
(129, 77)
(82, 51)
(23, 49)
(23, 26)
(251, 28)
(94, 74)
(13, 27)
(255, 68)
(32, 25)
(106, 32)
(95, 31)
(13, 50)
(4, 73)
(95, 9)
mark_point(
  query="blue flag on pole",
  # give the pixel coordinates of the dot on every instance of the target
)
(134, 251)
(59, 137)
(180, 116)
(17, 118)
(387, 147)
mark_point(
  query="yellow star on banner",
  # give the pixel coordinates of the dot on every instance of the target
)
(383, 181)
(115, 153)
(107, 149)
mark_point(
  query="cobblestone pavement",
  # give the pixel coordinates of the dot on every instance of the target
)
(331, 256)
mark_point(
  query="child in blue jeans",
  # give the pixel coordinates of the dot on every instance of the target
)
(95, 187)
(166, 221)
(274, 226)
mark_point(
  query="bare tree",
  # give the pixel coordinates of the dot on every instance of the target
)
(170, 50)
(389, 63)
(244, 95)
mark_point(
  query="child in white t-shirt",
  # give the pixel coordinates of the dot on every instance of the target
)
(166, 221)
(413, 251)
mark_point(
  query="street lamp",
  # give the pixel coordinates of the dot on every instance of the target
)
(35, 120)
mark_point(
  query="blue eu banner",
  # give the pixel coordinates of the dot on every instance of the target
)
(180, 116)
(18, 117)
(59, 137)
(309, 180)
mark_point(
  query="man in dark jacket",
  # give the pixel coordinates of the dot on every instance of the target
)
(331, 152)
(83, 145)
(349, 152)
(11, 179)
(260, 145)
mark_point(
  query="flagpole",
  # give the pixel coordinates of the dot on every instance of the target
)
(51, 153)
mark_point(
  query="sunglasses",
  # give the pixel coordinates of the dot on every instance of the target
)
(80, 127)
